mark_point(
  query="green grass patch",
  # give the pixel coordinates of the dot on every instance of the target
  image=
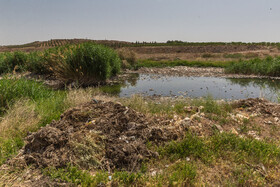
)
(245, 148)
(233, 55)
(190, 146)
(14, 89)
(41, 103)
(222, 145)
(183, 174)
(168, 107)
(267, 67)
(160, 64)
(76, 176)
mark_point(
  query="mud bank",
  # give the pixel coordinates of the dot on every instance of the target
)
(195, 72)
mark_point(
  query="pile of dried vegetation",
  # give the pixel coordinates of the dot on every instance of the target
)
(96, 135)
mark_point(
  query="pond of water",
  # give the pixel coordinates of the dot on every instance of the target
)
(195, 87)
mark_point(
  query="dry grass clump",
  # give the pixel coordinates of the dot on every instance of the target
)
(128, 58)
(20, 118)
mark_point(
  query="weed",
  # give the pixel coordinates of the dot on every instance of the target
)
(13, 89)
(183, 174)
(127, 178)
(244, 148)
(76, 176)
(189, 146)
(222, 145)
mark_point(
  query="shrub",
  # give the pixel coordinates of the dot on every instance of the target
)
(86, 64)
(128, 58)
(37, 64)
(269, 67)
(15, 61)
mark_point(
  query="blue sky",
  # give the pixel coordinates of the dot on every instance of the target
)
(23, 21)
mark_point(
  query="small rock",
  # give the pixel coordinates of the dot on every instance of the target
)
(240, 116)
(268, 122)
(154, 173)
(219, 128)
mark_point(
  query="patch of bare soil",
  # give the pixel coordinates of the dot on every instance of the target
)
(195, 72)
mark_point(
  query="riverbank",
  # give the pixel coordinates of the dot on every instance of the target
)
(195, 72)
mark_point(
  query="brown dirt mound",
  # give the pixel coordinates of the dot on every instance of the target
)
(98, 134)
(259, 105)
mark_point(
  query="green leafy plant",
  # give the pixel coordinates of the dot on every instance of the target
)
(86, 63)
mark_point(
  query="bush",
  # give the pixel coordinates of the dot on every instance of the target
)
(11, 62)
(86, 64)
(269, 67)
(128, 58)
(37, 64)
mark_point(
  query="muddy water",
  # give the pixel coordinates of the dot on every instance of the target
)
(195, 87)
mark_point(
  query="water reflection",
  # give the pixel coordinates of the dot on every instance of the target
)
(219, 88)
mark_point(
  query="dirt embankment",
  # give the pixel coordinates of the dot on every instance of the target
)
(198, 49)
(226, 52)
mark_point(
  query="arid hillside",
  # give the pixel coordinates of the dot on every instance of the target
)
(167, 51)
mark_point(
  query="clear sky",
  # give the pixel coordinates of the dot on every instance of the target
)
(23, 21)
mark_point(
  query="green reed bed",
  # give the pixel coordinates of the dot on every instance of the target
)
(267, 67)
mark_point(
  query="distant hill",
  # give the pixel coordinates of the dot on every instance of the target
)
(170, 50)
(42, 45)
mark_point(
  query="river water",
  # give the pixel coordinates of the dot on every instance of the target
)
(196, 87)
